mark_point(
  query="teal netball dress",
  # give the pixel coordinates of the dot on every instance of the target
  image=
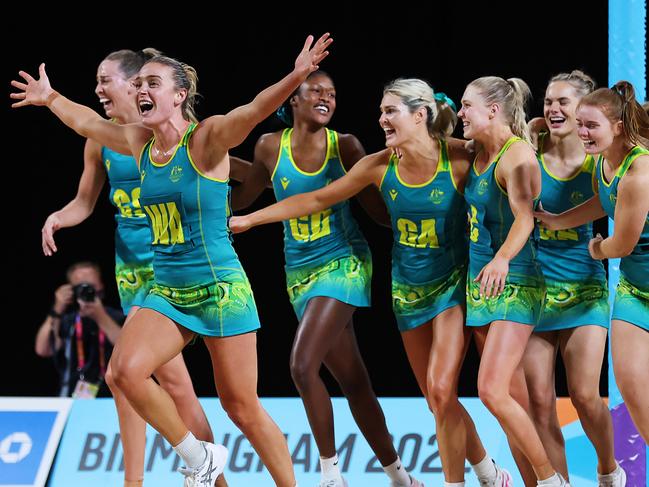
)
(199, 282)
(491, 218)
(133, 253)
(326, 254)
(632, 294)
(429, 251)
(577, 293)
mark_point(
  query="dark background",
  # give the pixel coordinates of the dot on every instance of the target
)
(237, 56)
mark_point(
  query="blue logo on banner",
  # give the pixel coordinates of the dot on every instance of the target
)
(23, 438)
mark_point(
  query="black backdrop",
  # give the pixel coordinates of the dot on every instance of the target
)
(237, 56)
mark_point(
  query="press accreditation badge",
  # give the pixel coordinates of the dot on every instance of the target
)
(85, 390)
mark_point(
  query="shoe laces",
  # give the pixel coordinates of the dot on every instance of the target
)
(608, 481)
(189, 474)
(485, 482)
(413, 483)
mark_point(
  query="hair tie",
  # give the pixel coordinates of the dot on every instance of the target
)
(285, 115)
(442, 97)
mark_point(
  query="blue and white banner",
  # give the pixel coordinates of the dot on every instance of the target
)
(91, 454)
(627, 60)
(30, 429)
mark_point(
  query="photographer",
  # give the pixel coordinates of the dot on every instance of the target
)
(79, 333)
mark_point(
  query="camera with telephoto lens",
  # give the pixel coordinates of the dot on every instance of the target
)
(84, 292)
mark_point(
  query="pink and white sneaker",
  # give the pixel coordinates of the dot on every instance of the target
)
(413, 483)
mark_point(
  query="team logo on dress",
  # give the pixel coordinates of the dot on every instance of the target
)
(142, 174)
(483, 185)
(393, 194)
(176, 174)
(577, 197)
(285, 182)
(437, 196)
(107, 165)
(612, 198)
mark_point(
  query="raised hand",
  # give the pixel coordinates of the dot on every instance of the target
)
(34, 91)
(63, 297)
(310, 57)
(52, 224)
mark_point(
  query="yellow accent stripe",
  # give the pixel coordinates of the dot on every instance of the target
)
(446, 155)
(601, 172)
(279, 152)
(200, 227)
(440, 162)
(139, 159)
(180, 142)
(191, 160)
(593, 176)
(633, 154)
(387, 168)
(583, 168)
(290, 157)
(497, 158)
(507, 145)
(335, 149)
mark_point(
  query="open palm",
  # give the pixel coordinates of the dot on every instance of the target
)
(310, 57)
(33, 91)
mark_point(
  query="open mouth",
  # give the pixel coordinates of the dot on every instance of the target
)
(324, 109)
(145, 106)
(556, 121)
(588, 143)
(389, 132)
(106, 103)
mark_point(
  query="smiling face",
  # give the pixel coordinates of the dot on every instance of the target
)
(595, 129)
(157, 96)
(315, 100)
(396, 120)
(559, 108)
(476, 116)
(114, 90)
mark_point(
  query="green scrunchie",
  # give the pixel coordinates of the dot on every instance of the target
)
(443, 97)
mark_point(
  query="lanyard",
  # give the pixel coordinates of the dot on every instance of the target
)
(81, 356)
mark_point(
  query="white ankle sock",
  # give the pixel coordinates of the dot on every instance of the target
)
(453, 484)
(485, 469)
(553, 480)
(606, 475)
(329, 468)
(191, 451)
(397, 473)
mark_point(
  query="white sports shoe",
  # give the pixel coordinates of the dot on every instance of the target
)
(212, 467)
(333, 483)
(561, 481)
(617, 478)
(503, 478)
(413, 483)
